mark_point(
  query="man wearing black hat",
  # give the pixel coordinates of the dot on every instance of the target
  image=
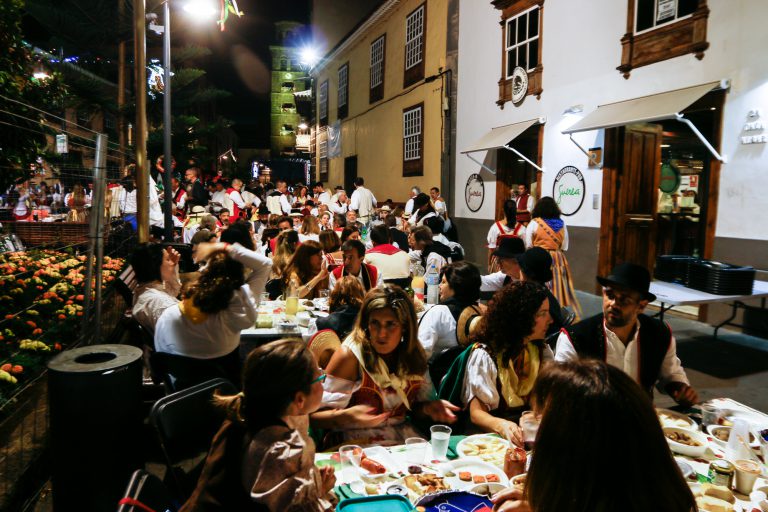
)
(623, 337)
(507, 253)
(263, 220)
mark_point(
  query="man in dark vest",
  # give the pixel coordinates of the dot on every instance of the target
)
(622, 336)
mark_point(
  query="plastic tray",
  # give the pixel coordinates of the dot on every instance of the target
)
(386, 503)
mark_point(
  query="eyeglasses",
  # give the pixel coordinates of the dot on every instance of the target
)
(321, 378)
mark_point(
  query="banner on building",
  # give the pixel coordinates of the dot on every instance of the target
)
(334, 139)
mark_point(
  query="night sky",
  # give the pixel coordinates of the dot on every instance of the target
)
(239, 63)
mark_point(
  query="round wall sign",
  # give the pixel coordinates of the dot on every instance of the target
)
(569, 190)
(519, 84)
(670, 178)
(474, 192)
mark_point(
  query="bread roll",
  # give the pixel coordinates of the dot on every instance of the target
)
(711, 504)
(718, 491)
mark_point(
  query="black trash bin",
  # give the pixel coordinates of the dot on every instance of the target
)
(95, 404)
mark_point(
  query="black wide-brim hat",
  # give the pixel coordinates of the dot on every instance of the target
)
(536, 263)
(632, 276)
(511, 247)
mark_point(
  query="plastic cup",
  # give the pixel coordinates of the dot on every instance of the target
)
(441, 437)
(530, 426)
(747, 472)
(415, 448)
(709, 415)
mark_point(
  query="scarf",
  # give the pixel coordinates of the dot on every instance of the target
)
(555, 224)
(192, 312)
(512, 386)
(381, 375)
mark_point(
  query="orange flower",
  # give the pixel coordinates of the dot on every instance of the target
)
(62, 317)
(31, 324)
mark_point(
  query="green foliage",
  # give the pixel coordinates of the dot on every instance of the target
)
(22, 136)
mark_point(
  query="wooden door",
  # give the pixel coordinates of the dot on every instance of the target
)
(350, 173)
(630, 183)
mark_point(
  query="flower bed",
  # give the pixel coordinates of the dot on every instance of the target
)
(41, 305)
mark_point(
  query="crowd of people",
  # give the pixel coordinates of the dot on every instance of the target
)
(401, 365)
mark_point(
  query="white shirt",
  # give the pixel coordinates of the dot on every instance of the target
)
(21, 208)
(285, 205)
(390, 266)
(409, 206)
(494, 233)
(182, 198)
(152, 299)
(363, 202)
(220, 196)
(335, 207)
(441, 208)
(324, 197)
(236, 199)
(437, 330)
(626, 357)
(433, 258)
(528, 204)
(493, 282)
(219, 334)
(250, 197)
(128, 201)
(156, 217)
(531, 229)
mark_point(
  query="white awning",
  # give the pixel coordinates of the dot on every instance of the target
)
(647, 109)
(500, 137)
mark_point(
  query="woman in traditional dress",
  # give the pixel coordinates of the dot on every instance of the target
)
(548, 231)
(379, 376)
(504, 362)
(508, 227)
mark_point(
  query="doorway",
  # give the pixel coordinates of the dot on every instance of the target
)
(350, 173)
(511, 170)
(660, 188)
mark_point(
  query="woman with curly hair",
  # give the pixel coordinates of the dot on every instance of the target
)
(505, 360)
(223, 302)
(306, 270)
(379, 376)
(548, 231)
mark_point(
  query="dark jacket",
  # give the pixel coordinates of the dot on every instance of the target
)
(196, 194)
(436, 247)
(400, 238)
(588, 338)
(341, 321)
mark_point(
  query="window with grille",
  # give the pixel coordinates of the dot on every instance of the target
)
(523, 41)
(377, 69)
(415, 27)
(322, 153)
(322, 101)
(343, 92)
(413, 140)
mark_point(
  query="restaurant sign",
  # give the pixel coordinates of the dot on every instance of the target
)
(569, 190)
(474, 192)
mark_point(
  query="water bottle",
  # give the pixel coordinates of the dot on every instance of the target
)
(432, 280)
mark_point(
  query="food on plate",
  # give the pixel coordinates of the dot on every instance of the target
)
(425, 483)
(309, 304)
(492, 478)
(488, 449)
(371, 489)
(465, 476)
(478, 479)
(372, 466)
(715, 498)
(721, 433)
(449, 474)
(519, 481)
(667, 420)
(415, 470)
(680, 437)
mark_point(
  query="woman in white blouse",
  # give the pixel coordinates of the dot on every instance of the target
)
(504, 364)
(223, 302)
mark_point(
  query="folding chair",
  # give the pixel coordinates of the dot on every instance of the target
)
(185, 423)
(146, 493)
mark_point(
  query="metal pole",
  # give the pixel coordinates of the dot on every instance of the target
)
(168, 158)
(140, 73)
(96, 243)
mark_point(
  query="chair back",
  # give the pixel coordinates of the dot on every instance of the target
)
(439, 365)
(186, 422)
(182, 372)
(568, 316)
(126, 284)
(146, 492)
(274, 287)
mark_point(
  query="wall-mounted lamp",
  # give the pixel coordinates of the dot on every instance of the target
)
(574, 109)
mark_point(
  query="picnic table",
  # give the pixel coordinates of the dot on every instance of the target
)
(670, 295)
(397, 459)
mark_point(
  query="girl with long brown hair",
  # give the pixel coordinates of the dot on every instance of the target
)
(262, 456)
(287, 241)
(306, 270)
(379, 375)
(594, 419)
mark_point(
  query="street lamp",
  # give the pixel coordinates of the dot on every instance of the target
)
(203, 10)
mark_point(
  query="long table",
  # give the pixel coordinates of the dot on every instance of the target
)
(670, 295)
